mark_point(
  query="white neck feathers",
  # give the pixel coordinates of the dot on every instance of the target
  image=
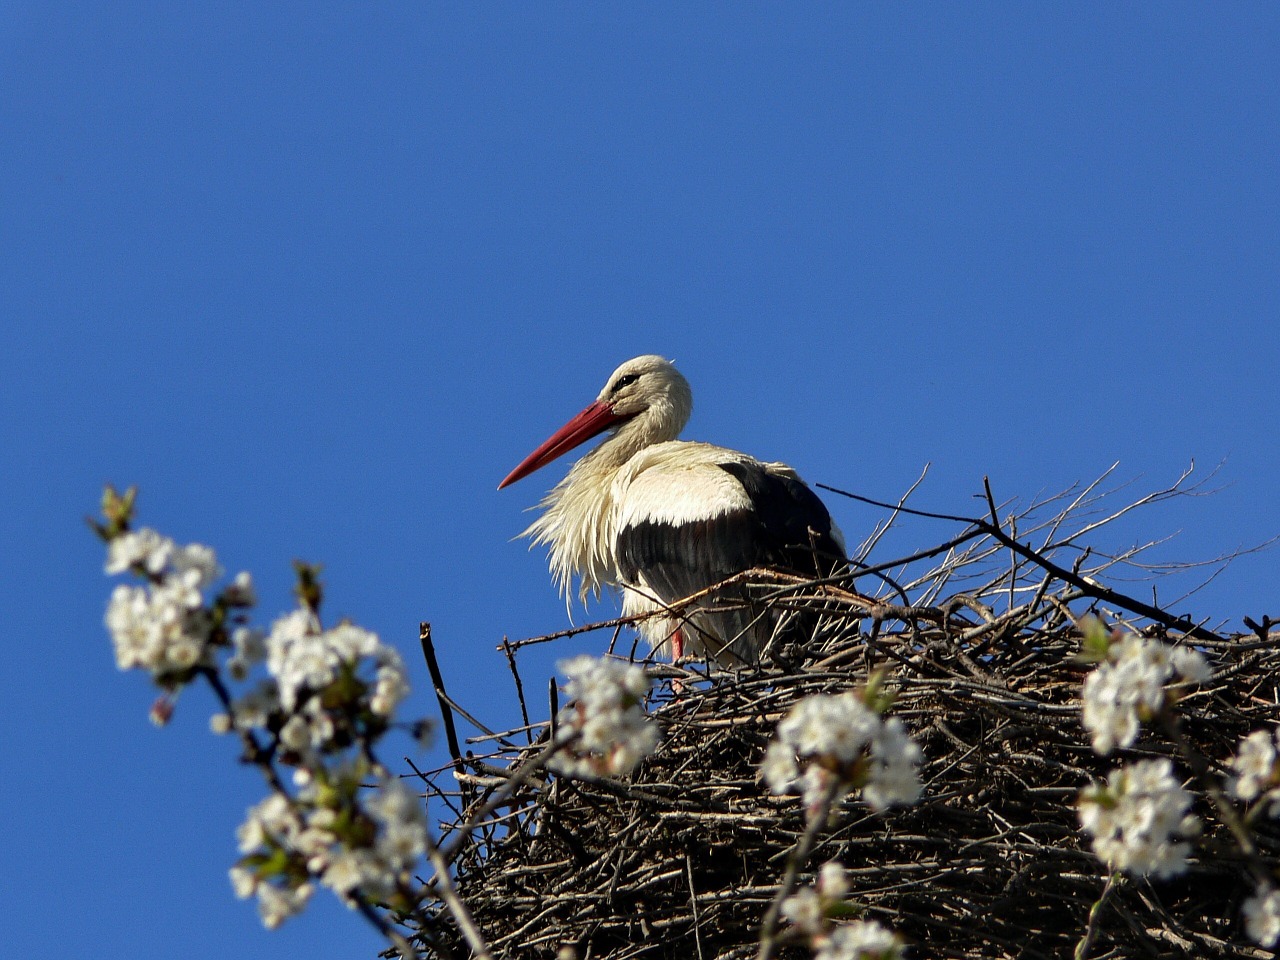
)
(580, 517)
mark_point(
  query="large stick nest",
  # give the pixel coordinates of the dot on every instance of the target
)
(683, 858)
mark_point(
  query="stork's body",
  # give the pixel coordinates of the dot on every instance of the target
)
(664, 519)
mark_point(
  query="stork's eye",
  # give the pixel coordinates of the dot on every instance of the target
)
(626, 381)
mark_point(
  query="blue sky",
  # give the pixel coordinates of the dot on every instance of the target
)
(315, 277)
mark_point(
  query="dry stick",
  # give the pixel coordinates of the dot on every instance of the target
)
(432, 789)
(864, 550)
(693, 905)
(437, 681)
(515, 675)
(574, 631)
(1156, 496)
(1263, 629)
(1055, 523)
(475, 722)
(995, 520)
(518, 778)
(1095, 590)
(553, 701)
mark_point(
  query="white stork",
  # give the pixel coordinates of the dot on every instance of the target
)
(664, 518)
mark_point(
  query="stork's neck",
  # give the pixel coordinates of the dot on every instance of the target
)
(657, 424)
(578, 523)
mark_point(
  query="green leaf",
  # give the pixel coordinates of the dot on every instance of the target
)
(1095, 643)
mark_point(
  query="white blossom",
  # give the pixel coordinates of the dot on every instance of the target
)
(197, 565)
(160, 626)
(829, 739)
(180, 590)
(244, 881)
(1256, 768)
(390, 686)
(319, 724)
(305, 659)
(156, 627)
(307, 830)
(351, 870)
(894, 777)
(1262, 916)
(1130, 686)
(299, 656)
(609, 731)
(143, 548)
(805, 910)
(813, 911)
(402, 837)
(296, 735)
(273, 822)
(859, 940)
(832, 882)
(137, 637)
(277, 904)
(400, 841)
(331, 832)
(1139, 819)
(810, 908)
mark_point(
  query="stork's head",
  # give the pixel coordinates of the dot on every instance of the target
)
(646, 398)
(649, 385)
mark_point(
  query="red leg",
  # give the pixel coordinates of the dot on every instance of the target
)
(677, 646)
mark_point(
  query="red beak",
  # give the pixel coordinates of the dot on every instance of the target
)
(595, 419)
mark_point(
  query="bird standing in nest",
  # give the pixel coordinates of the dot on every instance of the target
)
(665, 519)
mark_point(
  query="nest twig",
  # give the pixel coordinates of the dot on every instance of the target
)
(683, 858)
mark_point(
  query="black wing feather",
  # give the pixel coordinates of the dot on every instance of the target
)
(794, 525)
(788, 528)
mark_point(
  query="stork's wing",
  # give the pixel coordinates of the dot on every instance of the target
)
(685, 528)
(795, 530)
